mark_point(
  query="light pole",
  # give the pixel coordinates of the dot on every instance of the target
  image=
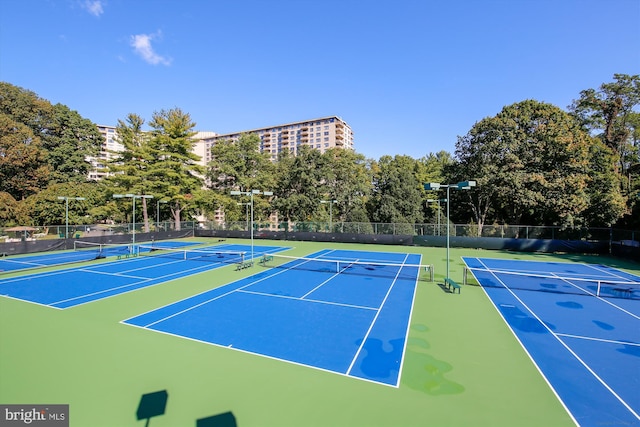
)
(331, 202)
(158, 212)
(133, 214)
(465, 185)
(66, 212)
(251, 193)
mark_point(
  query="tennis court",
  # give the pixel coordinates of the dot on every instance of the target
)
(341, 311)
(580, 325)
(158, 263)
(84, 251)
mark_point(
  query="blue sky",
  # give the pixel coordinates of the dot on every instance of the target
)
(409, 76)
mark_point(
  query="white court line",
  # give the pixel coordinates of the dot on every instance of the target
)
(609, 273)
(633, 344)
(316, 301)
(202, 303)
(30, 302)
(17, 261)
(180, 274)
(105, 273)
(230, 347)
(323, 283)
(605, 300)
(364, 339)
(582, 362)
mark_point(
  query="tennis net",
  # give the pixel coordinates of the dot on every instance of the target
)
(193, 254)
(599, 287)
(419, 272)
(101, 250)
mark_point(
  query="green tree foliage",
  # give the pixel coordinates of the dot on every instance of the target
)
(606, 203)
(609, 111)
(23, 171)
(129, 168)
(26, 107)
(172, 172)
(11, 211)
(65, 137)
(239, 165)
(348, 182)
(397, 194)
(46, 208)
(68, 142)
(611, 114)
(433, 168)
(531, 162)
(300, 186)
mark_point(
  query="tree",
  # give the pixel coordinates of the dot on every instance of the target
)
(300, 187)
(531, 162)
(46, 208)
(69, 141)
(239, 165)
(433, 168)
(130, 168)
(25, 107)
(609, 113)
(22, 168)
(348, 181)
(606, 203)
(397, 193)
(11, 211)
(172, 170)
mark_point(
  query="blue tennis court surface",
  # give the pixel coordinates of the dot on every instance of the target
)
(351, 324)
(580, 324)
(74, 286)
(87, 253)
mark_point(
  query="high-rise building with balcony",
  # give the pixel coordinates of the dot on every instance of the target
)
(109, 145)
(321, 134)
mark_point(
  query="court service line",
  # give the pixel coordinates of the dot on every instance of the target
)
(600, 298)
(106, 273)
(17, 261)
(180, 274)
(633, 344)
(317, 301)
(609, 273)
(323, 283)
(582, 362)
(375, 319)
(204, 302)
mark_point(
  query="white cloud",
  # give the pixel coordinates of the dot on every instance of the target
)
(141, 44)
(94, 7)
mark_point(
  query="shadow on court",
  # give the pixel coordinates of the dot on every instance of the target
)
(155, 404)
(152, 405)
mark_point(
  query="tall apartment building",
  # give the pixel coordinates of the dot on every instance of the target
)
(99, 164)
(321, 134)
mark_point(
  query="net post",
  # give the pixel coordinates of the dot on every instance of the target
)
(598, 289)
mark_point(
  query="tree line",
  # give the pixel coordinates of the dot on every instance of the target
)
(534, 163)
